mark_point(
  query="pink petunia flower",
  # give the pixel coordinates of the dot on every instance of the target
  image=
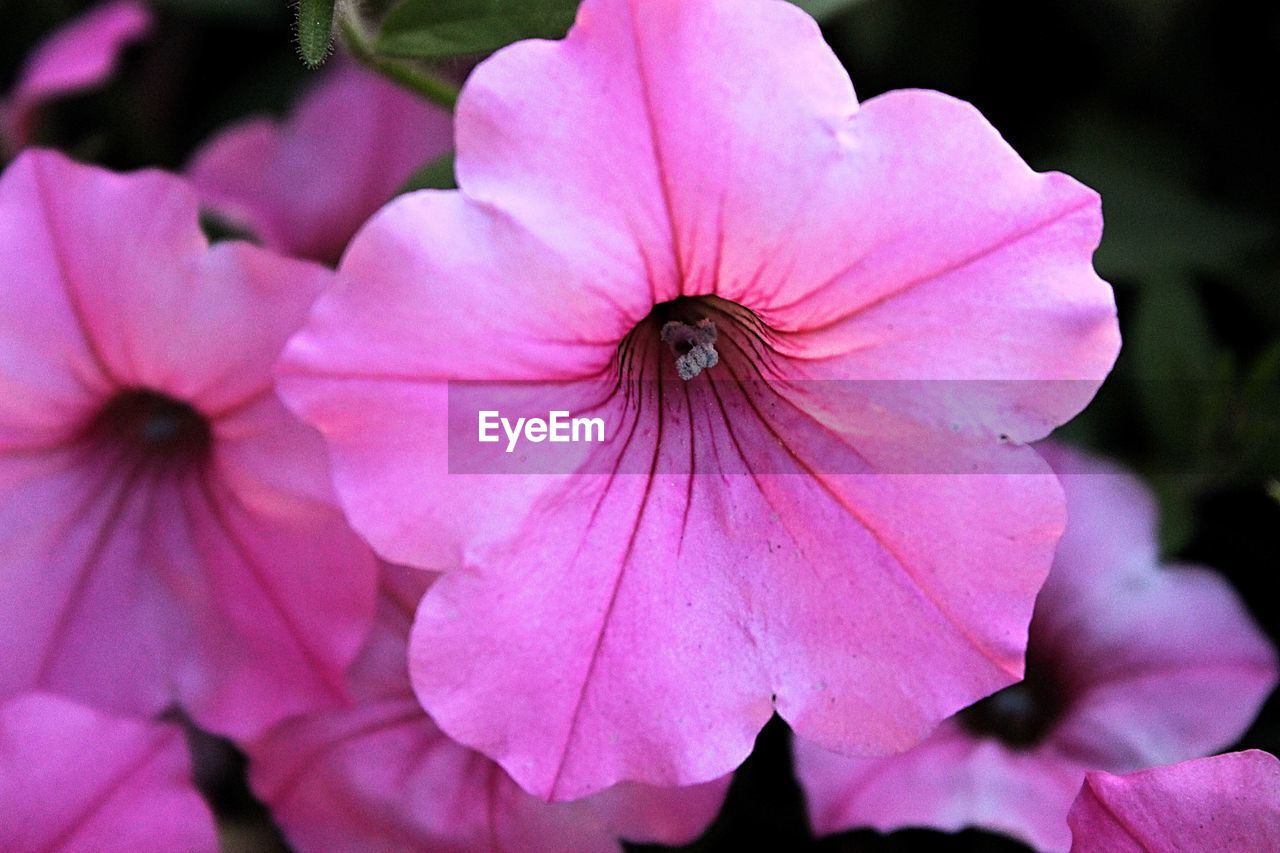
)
(1129, 665)
(168, 528)
(75, 779)
(1227, 803)
(78, 57)
(680, 219)
(404, 785)
(305, 186)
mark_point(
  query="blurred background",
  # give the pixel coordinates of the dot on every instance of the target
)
(1168, 107)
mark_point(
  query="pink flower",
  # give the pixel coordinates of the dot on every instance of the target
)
(80, 56)
(305, 186)
(168, 527)
(1228, 802)
(1129, 665)
(74, 779)
(403, 785)
(689, 191)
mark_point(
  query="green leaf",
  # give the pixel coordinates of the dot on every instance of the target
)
(315, 31)
(436, 29)
(1178, 367)
(825, 10)
(1156, 225)
(436, 175)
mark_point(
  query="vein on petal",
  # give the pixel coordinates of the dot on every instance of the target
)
(331, 682)
(108, 792)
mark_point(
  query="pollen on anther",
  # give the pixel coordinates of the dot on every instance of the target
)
(694, 345)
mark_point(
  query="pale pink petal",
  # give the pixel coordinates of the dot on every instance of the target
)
(153, 306)
(950, 782)
(647, 598)
(1150, 665)
(1228, 802)
(392, 414)
(80, 56)
(306, 185)
(899, 217)
(1112, 532)
(862, 602)
(86, 608)
(73, 779)
(380, 775)
(1164, 665)
(230, 584)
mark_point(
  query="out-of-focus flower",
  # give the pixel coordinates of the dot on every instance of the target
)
(1226, 803)
(73, 779)
(689, 191)
(1129, 665)
(78, 57)
(168, 528)
(306, 186)
(403, 785)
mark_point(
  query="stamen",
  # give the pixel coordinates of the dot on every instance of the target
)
(694, 345)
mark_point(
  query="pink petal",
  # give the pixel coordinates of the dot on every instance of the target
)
(950, 782)
(585, 200)
(381, 775)
(1164, 664)
(649, 602)
(1168, 666)
(81, 55)
(896, 219)
(73, 779)
(306, 185)
(1156, 665)
(1228, 802)
(235, 586)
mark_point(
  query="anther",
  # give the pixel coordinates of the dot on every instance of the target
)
(694, 345)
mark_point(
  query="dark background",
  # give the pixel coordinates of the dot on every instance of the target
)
(1168, 107)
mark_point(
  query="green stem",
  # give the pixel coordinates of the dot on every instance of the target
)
(425, 85)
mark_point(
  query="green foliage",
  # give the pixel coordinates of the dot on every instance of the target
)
(825, 10)
(315, 31)
(437, 29)
(436, 175)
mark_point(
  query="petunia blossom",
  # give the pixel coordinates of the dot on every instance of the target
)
(80, 56)
(1227, 802)
(75, 780)
(306, 185)
(403, 785)
(680, 221)
(169, 529)
(1129, 665)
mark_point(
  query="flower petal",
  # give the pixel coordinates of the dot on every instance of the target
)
(73, 779)
(1168, 666)
(230, 583)
(307, 185)
(81, 55)
(654, 593)
(403, 785)
(1228, 802)
(955, 782)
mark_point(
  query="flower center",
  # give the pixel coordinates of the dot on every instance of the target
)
(695, 330)
(152, 428)
(694, 345)
(1021, 715)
